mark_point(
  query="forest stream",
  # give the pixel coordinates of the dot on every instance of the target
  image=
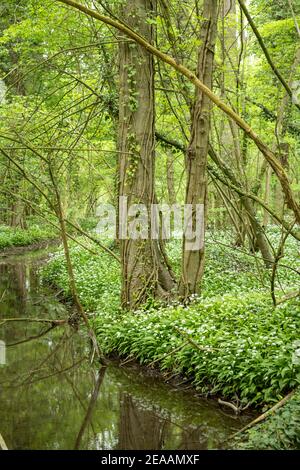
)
(51, 397)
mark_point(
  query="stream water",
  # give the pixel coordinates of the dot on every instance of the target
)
(51, 397)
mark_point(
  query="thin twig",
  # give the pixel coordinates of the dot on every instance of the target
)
(3, 445)
(3, 295)
(35, 320)
(193, 343)
(168, 354)
(31, 338)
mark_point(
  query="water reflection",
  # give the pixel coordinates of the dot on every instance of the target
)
(52, 398)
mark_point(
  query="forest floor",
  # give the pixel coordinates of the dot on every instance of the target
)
(230, 341)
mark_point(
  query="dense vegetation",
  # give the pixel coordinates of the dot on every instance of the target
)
(240, 345)
(280, 431)
(194, 103)
(15, 236)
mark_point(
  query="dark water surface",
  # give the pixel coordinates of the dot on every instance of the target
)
(52, 398)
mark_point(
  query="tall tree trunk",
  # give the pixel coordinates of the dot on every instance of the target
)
(196, 157)
(144, 271)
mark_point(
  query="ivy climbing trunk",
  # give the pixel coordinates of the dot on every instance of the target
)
(196, 156)
(145, 273)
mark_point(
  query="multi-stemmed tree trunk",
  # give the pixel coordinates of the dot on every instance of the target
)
(196, 157)
(144, 270)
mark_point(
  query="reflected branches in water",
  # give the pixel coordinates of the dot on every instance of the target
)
(88, 417)
(52, 397)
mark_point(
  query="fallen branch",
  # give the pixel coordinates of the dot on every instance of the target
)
(236, 409)
(192, 342)
(265, 415)
(127, 361)
(168, 354)
(289, 296)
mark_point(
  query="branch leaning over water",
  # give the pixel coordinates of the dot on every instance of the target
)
(265, 415)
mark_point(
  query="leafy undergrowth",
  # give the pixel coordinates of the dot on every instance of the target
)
(280, 431)
(97, 279)
(10, 237)
(242, 346)
(227, 270)
(231, 269)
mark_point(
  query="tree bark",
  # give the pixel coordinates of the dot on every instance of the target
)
(144, 272)
(196, 157)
